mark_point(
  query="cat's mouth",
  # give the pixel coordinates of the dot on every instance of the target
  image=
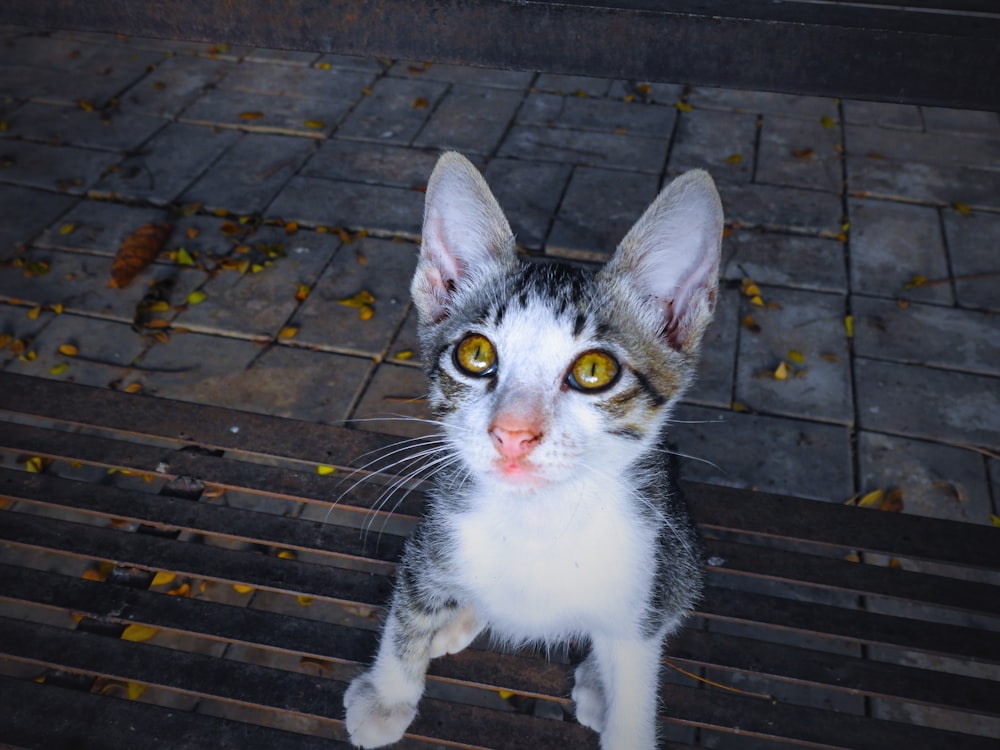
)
(520, 472)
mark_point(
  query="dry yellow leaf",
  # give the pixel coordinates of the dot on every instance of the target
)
(240, 588)
(133, 388)
(366, 312)
(57, 308)
(750, 324)
(849, 326)
(184, 258)
(251, 115)
(86, 105)
(292, 227)
(872, 500)
(59, 369)
(68, 350)
(734, 159)
(324, 471)
(404, 355)
(162, 578)
(796, 357)
(781, 371)
(34, 312)
(963, 208)
(995, 519)
(827, 122)
(288, 332)
(739, 407)
(135, 691)
(287, 554)
(853, 557)
(67, 228)
(303, 600)
(196, 297)
(183, 590)
(138, 633)
(302, 292)
(35, 465)
(420, 103)
(684, 107)
(314, 124)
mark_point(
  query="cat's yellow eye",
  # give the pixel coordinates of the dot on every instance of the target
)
(593, 371)
(475, 355)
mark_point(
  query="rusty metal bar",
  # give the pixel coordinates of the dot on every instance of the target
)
(924, 53)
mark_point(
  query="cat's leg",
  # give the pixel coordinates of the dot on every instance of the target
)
(457, 634)
(628, 670)
(589, 701)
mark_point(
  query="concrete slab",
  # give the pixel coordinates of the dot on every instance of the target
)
(785, 260)
(470, 119)
(804, 331)
(973, 240)
(118, 129)
(725, 143)
(585, 113)
(915, 333)
(376, 163)
(783, 209)
(247, 177)
(800, 153)
(394, 111)
(921, 402)
(65, 169)
(609, 150)
(24, 212)
(529, 193)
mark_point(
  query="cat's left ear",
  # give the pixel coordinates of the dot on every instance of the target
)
(465, 237)
(670, 257)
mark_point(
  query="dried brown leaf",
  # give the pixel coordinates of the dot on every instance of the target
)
(137, 251)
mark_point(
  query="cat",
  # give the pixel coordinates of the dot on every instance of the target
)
(550, 518)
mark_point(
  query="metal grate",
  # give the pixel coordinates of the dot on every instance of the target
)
(805, 645)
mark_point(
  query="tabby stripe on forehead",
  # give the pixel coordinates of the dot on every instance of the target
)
(579, 323)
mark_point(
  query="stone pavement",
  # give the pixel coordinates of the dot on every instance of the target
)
(294, 183)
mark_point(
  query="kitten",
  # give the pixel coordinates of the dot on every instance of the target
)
(551, 518)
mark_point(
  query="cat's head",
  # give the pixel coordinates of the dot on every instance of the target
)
(544, 371)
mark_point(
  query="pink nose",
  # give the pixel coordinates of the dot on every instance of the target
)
(514, 438)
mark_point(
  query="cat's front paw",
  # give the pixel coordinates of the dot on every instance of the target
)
(588, 697)
(370, 722)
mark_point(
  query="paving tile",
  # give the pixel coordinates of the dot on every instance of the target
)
(972, 249)
(585, 113)
(395, 403)
(961, 121)
(800, 153)
(405, 347)
(810, 324)
(385, 274)
(647, 91)
(98, 227)
(883, 114)
(599, 208)
(770, 454)
(174, 84)
(923, 148)
(352, 62)
(936, 480)
(94, 72)
(16, 323)
(296, 81)
(891, 244)
(928, 183)
(529, 193)
(80, 283)
(281, 56)
(928, 403)
(106, 347)
(312, 201)
(395, 111)
(59, 125)
(724, 143)
(259, 304)
(470, 119)
(611, 150)
(570, 84)
(245, 179)
(463, 74)
(266, 113)
(716, 370)
(167, 164)
(378, 163)
(762, 102)
(785, 260)
(24, 212)
(296, 383)
(63, 168)
(200, 368)
(927, 334)
(782, 208)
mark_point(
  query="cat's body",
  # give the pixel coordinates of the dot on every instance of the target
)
(551, 517)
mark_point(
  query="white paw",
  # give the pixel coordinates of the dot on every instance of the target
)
(456, 635)
(588, 698)
(370, 722)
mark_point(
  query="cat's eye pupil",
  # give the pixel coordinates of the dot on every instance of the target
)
(593, 371)
(475, 355)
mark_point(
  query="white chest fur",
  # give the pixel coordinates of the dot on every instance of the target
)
(550, 565)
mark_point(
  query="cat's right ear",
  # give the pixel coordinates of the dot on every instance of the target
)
(465, 236)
